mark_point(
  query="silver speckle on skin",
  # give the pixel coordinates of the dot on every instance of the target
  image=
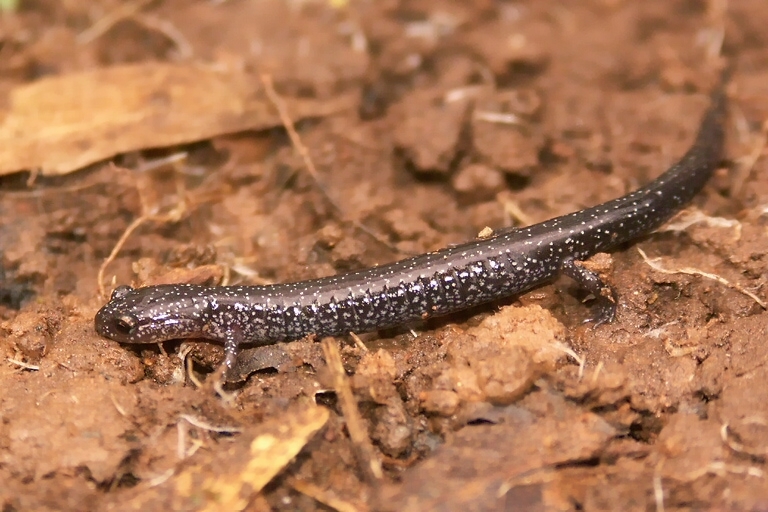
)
(435, 283)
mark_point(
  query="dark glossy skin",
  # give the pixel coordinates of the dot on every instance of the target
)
(432, 284)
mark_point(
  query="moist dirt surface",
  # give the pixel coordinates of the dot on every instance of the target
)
(417, 125)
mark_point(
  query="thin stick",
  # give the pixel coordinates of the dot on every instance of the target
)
(569, 351)
(193, 420)
(366, 456)
(187, 362)
(170, 31)
(302, 150)
(173, 216)
(115, 250)
(358, 342)
(696, 272)
(109, 20)
(658, 491)
(23, 364)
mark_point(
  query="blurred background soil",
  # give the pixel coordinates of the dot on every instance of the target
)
(267, 141)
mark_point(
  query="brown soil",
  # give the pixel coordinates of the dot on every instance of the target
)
(426, 122)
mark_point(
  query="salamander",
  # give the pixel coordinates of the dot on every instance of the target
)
(431, 284)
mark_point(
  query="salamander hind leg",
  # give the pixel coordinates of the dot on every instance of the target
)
(605, 296)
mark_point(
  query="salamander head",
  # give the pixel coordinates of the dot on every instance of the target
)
(153, 314)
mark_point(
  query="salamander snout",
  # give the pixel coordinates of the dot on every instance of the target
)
(153, 314)
(113, 324)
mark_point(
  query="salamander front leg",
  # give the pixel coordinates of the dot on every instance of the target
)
(231, 348)
(605, 296)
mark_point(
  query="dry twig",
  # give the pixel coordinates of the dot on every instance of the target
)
(302, 150)
(696, 272)
(369, 462)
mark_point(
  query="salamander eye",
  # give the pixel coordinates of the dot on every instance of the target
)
(125, 323)
(120, 291)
